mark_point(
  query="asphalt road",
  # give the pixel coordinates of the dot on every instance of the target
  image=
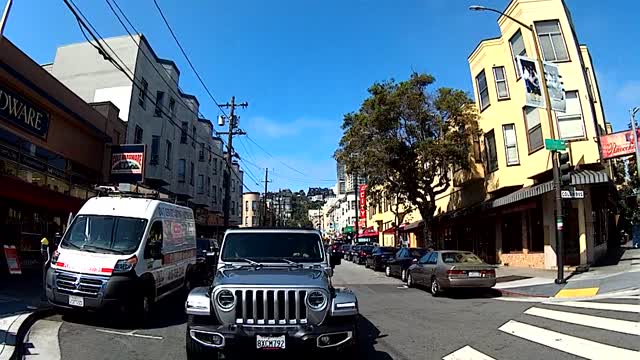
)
(396, 323)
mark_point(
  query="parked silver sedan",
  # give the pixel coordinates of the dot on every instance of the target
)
(446, 269)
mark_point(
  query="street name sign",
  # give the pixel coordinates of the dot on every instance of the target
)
(572, 194)
(555, 144)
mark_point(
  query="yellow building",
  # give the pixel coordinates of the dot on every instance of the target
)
(504, 209)
(380, 217)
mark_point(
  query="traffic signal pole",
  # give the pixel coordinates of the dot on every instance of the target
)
(559, 219)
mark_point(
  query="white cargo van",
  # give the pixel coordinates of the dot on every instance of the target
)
(123, 252)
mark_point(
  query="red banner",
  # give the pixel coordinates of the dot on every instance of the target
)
(363, 201)
(618, 144)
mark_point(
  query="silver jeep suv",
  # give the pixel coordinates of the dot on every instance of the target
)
(272, 291)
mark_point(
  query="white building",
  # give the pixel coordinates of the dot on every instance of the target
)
(184, 158)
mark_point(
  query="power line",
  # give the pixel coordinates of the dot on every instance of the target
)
(77, 13)
(280, 161)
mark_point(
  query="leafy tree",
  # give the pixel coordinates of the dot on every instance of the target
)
(400, 206)
(409, 141)
(300, 207)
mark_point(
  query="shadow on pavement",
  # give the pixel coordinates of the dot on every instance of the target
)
(467, 294)
(167, 312)
(368, 337)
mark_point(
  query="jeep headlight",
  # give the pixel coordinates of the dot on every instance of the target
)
(225, 300)
(316, 300)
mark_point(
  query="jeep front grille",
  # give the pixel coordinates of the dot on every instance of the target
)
(271, 307)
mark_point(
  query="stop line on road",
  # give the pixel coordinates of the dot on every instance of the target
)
(567, 343)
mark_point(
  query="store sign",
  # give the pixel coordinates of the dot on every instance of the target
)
(127, 163)
(13, 263)
(22, 113)
(532, 81)
(363, 201)
(618, 144)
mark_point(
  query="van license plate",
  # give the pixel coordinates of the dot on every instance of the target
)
(76, 301)
(270, 342)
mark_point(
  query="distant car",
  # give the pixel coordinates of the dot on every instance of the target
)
(377, 260)
(360, 256)
(352, 252)
(400, 262)
(335, 249)
(447, 269)
(346, 248)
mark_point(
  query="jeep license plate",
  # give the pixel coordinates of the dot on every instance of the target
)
(270, 342)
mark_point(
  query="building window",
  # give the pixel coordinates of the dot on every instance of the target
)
(517, 48)
(168, 159)
(116, 137)
(534, 129)
(142, 95)
(254, 221)
(510, 144)
(477, 152)
(591, 84)
(570, 123)
(254, 205)
(155, 150)
(191, 174)
(246, 221)
(233, 208)
(246, 205)
(172, 107)
(215, 166)
(201, 153)
(483, 90)
(215, 194)
(137, 135)
(551, 41)
(233, 185)
(181, 170)
(209, 152)
(200, 184)
(159, 102)
(193, 139)
(208, 186)
(490, 148)
(501, 82)
(183, 133)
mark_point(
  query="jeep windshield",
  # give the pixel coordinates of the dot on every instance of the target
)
(104, 234)
(272, 247)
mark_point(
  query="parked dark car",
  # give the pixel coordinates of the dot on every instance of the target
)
(377, 260)
(206, 256)
(335, 249)
(360, 256)
(402, 260)
(448, 269)
(352, 252)
(346, 251)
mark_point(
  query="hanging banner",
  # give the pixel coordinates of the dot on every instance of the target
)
(532, 81)
(618, 144)
(127, 163)
(555, 87)
(363, 202)
(13, 263)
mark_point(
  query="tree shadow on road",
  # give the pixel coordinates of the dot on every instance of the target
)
(368, 338)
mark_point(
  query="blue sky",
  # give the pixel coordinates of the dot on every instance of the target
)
(302, 64)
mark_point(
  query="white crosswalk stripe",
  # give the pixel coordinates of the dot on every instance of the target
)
(553, 335)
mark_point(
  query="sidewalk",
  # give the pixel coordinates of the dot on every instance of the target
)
(601, 279)
(21, 299)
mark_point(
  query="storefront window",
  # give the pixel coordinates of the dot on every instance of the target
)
(33, 177)
(58, 185)
(8, 168)
(79, 192)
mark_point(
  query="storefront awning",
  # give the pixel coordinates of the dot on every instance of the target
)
(348, 230)
(369, 232)
(581, 177)
(414, 225)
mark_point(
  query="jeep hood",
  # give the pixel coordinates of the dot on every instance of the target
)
(281, 276)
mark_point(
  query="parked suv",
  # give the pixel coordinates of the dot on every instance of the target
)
(377, 260)
(402, 260)
(272, 291)
(361, 254)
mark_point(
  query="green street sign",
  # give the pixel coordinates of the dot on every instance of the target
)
(555, 145)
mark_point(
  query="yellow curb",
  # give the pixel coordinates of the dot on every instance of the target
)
(572, 293)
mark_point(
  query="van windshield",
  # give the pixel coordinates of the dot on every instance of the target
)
(104, 234)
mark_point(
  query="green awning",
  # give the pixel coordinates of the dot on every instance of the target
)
(348, 230)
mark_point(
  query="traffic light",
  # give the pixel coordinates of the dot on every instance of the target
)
(565, 169)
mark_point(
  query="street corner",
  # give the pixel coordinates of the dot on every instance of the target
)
(577, 293)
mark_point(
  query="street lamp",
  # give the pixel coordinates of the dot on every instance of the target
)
(635, 136)
(556, 172)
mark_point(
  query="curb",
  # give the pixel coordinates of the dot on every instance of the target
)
(25, 327)
(509, 293)
(610, 294)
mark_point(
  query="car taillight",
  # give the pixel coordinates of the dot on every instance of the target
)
(456, 272)
(362, 253)
(490, 273)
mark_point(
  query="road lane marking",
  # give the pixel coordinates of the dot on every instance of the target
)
(570, 344)
(599, 306)
(575, 293)
(621, 326)
(467, 353)
(130, 333)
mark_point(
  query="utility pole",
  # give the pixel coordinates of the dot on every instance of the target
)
(279, 218)
(233, 124)
(635, 136)
(266, 183)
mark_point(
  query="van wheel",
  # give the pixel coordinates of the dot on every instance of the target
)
(142, 308)
(197, 351)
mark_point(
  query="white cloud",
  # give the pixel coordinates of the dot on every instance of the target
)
(276, 129)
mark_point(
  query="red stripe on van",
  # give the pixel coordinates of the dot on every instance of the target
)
(106, 270)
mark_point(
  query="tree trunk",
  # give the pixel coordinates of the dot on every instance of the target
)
(427, 217)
